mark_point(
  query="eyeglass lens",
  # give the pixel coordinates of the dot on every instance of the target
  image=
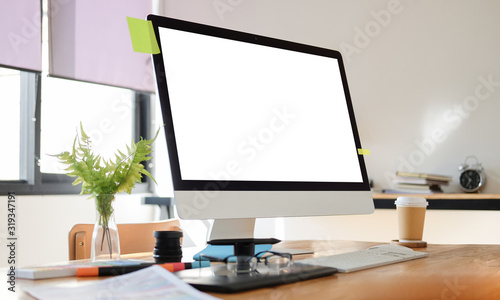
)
(246, 264)
(277, 262)
(241, 264)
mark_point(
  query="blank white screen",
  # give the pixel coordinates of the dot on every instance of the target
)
(248, 112)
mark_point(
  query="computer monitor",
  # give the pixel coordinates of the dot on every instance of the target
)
(256, 127)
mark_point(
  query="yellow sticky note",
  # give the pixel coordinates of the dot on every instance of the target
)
(143, 36)
(363, 152)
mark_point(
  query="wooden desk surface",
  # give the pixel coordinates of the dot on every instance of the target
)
(450, 272)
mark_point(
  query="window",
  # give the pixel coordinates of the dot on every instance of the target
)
(10, 106)
(41, 116)
(111, 116)
(106, 114)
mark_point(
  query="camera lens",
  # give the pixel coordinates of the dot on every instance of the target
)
(167, 246)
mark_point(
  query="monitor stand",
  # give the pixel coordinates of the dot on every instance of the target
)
(232, 229)
(238, 237)
(239, 233)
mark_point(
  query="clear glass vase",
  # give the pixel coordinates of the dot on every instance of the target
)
(105, 238)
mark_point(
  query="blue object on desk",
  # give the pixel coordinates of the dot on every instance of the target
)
(223, 251)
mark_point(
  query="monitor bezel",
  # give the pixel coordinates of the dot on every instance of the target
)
(180, 184)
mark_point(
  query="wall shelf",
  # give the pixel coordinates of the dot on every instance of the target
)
(458, 201)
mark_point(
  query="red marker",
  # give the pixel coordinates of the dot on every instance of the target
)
(119, 270)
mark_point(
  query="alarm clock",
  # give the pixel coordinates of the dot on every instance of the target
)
(471, 177)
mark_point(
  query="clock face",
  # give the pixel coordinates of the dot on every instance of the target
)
(470, 180)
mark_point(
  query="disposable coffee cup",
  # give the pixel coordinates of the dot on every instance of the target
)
(411, 218)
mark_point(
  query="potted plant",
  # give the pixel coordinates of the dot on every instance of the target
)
(103, 179)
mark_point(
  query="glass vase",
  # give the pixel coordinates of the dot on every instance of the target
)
(105, 238)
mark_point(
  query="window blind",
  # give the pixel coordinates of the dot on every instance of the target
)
(20, 34)
(90, 41)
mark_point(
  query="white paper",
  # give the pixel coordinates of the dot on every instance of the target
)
(150, 283)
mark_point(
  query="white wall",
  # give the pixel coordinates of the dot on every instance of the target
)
(43, 224)
(424, 75)
(418, 73)
(441, 227)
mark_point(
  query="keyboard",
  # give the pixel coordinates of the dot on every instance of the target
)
(359, 260)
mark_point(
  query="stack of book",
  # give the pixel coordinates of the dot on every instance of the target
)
(418, 183)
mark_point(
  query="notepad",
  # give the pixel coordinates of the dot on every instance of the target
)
(68, 269)
(150, 283)
(223, 251)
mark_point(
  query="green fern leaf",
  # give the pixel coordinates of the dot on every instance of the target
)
(97, 175)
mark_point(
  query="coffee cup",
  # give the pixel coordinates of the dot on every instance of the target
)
(411, 217)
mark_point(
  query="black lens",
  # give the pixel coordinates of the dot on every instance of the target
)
(167, 246)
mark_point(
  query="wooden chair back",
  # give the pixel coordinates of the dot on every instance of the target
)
(134, 237)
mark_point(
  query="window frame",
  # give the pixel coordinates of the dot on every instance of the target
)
(32, 181)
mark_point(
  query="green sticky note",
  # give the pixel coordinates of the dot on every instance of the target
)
(143, 36)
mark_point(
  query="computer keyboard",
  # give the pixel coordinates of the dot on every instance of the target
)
(359, 260)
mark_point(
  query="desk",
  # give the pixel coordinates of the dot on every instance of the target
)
(450, 272)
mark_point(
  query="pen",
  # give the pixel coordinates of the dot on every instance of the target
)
(119, 270)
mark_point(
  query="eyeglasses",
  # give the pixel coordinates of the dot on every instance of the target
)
(273, 261)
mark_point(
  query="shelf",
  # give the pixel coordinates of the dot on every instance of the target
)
(458, 201)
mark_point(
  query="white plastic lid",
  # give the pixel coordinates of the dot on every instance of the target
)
(411, 201)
